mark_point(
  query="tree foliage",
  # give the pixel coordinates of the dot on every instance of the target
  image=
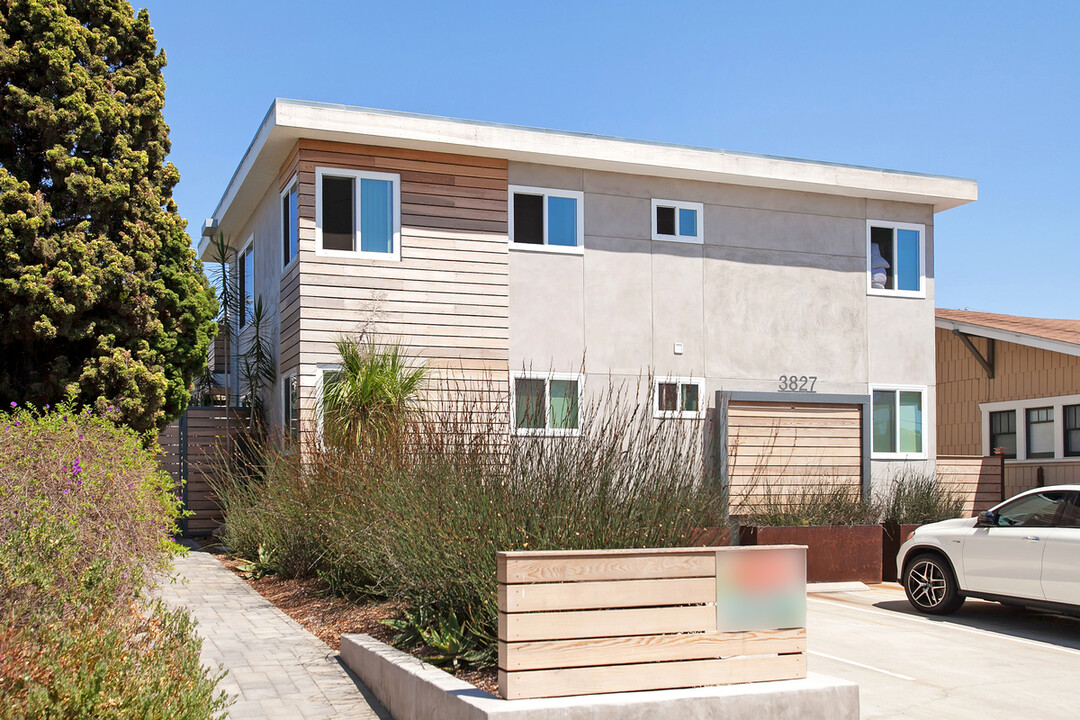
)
(101, 296)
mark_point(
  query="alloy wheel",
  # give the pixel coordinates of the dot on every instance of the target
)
(927, 583)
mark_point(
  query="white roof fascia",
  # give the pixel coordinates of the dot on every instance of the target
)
(1059, 346)
(288, 120)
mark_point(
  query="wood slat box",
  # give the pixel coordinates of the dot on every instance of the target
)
(585, 622)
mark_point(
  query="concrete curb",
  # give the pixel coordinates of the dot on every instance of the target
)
(413, 690)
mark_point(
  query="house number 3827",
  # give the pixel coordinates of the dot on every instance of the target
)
(798, 383)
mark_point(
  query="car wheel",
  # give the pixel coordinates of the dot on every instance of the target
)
(931, 586)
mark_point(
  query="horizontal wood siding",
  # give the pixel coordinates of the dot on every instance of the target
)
(778, 448)
(977, 480)
(446, 301)
(583, 622)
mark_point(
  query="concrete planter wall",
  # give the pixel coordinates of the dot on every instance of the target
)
(835, 553)
(892, 539)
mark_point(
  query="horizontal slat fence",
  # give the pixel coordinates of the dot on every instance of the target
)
(585, 622)
(977, 480)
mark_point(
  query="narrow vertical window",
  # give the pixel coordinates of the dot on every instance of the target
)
(1072, 430)
(246, 285)
(290, 235)
(1040, 432)
(338, 214)
(1003, 432)
(884, 421)
(290, 405)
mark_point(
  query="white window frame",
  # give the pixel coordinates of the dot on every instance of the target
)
(870, 289)
(679, 414)
(577, 195)
(1057, 402)
(357, 176)
(293, 184)
(547, 377)
(698, 239)
(925, 454)
(248, 247)
(320, 371)
(285, 379)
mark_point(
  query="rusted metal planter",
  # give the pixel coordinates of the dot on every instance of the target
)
(835, 553)
(892, 538)
(716, 536)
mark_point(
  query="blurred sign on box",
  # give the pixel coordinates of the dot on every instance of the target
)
(760, 588)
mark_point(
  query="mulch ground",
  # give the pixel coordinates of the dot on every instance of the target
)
(328, 617)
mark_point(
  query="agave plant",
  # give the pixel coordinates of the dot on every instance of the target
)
(376, 389)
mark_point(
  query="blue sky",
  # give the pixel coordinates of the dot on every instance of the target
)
(987, 90)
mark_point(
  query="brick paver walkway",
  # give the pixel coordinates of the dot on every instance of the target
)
(276, 668)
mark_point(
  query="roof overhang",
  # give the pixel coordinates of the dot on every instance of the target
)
(289, 120)
(1034, 341)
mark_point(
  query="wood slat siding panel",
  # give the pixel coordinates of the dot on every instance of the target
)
(779, 447)
(977, 480)
(649, 648)
(650, 676)
(566, 625)
(565, 567)
(612, 594)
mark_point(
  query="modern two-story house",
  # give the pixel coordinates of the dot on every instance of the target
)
(799, 295)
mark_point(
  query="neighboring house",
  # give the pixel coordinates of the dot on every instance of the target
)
(552, 261)
(1013, 383)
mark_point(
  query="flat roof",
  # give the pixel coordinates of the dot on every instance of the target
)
(1047, 333)
(289, 120)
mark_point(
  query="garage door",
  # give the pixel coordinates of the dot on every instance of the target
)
(779, 448)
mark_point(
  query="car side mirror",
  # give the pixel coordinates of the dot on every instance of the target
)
(988, 519)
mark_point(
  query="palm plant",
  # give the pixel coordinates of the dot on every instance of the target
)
(376, 389)
(224, 278)
(257, 368)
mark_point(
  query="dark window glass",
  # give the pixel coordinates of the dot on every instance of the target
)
(291, 405)
(289, 233)
(337, 214)
(1035, 510)
(247, 286)
(665, 220)
(529, 219)
(668, 397)
(529, 401)
(1040, 432)
(690, 398)
(1072, 430)
(881, 239)
(1003, 431)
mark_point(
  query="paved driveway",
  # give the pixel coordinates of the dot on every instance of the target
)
(986, 661)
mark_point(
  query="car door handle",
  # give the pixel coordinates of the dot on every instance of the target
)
(1032, 538)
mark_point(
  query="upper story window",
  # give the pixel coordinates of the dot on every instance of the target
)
(245, 263)
(1003, 431)
(290, 224)
(678, 398)
(896, 259)
(547, 219)
(897, 423)
(546, 404)
(357, 214)
(677, 221)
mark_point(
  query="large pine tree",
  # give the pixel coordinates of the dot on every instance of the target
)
(101, 295)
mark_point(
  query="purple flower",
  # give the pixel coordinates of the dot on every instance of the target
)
(80, 436)
(14, 404)
(46, 406)
(66, 491)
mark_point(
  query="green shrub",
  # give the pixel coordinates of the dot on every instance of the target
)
(817, 502)
(419, 515)
(86, 518)
(916, 497)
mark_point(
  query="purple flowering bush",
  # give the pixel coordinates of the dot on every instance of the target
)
(86, 524)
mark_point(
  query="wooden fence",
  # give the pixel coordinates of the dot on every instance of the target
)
(193, 445)
(979, 481)
(583, 622)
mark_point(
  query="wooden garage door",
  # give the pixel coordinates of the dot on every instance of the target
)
(779, 448)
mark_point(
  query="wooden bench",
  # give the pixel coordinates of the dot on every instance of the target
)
(584, 622)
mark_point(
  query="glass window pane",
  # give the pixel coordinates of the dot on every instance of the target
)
(907, 259)
(292, 408)
(690, 398)
(884, 421)
(528, 403)
(337, 214)
(665, 220)
(882, 260)
(1036, 510)
(1072, 429)
(1040, 432)
(294, 223)
(667, 397)
(687, 222)
(911, 422)
(286, 213)
(529, 219)
(247, 286)
(1003, 432)
(562, 221)
(564, 403)
(376, 216)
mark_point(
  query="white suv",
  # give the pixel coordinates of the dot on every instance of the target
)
(1024, 551)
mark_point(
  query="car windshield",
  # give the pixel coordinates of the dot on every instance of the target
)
(1035, 510)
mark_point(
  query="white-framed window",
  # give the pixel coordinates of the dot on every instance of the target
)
(546, 403)
(895, 259)
(357, 214)
(245, 266)
(290, 223)
(325, 375)
(1043, 429)
(678, 397)
(896, 421)
(290, 406)
(547, 219)
(677, 221)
